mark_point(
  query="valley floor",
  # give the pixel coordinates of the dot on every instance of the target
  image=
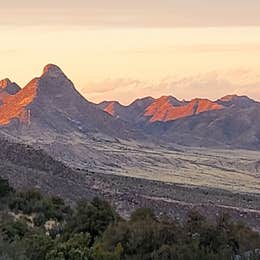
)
(233, 170)
(170, 180)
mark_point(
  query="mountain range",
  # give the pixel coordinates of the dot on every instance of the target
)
(49, 108)
(229, 122)
(140, 155)
(168, 108)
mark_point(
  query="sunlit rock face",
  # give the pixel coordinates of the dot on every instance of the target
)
(4, 83)
(168, 108)
(51, 102)
(15, 107)
(40, 98)
(163, 109)
(133, 113)
(7, 90)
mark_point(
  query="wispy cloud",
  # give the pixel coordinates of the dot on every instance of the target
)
(211, 85)
(110, 85)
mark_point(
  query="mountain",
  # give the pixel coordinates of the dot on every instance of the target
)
(237, 101)
(132, 113)
(229, 122)
(7, 89)
(52, 103)
(163, 109)
(167, 109)
(230, 127)
(114, 108)
(49, 113)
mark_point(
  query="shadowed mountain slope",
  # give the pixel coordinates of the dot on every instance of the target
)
(231, 128)
(52, 103)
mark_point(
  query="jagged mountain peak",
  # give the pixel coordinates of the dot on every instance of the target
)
(228, 97)
(9, 87)
(143, 99)
(52, 68)
(51, 84)
(237, 101)
(159, 110)
(52, 71)
(111, 107)
(4, 83)
(168, 98)
(142, 102)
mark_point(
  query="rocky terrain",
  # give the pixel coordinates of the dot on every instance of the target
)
(26, 168)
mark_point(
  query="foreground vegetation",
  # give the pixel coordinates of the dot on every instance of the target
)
(33, 226)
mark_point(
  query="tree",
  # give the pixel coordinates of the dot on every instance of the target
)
(76, 248)
(92, 218)
(5, 188)
(12, 230)
(37, 246)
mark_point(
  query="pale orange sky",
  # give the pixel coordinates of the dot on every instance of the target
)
(123, 50)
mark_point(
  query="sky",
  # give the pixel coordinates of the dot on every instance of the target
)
(121, 50)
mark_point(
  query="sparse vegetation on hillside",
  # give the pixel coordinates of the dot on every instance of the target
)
(33, 226)
(26, 156)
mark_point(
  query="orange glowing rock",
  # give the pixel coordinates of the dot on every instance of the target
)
(4, 83)
(110, 109)
(164, 110)
(16, 106)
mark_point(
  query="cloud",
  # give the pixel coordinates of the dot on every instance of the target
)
(110, 85)
(211, 85)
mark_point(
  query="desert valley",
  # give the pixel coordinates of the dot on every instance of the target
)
(163, 153)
